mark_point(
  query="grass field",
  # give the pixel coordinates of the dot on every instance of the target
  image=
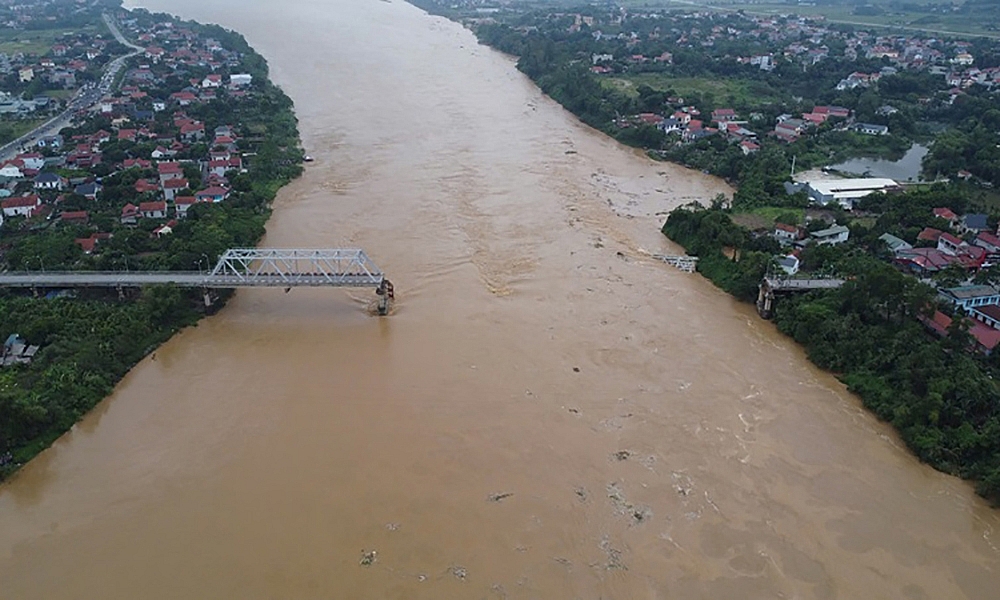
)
(11, 130)
(737, 92)
(60, 94)
(986, 24)
(39, 41)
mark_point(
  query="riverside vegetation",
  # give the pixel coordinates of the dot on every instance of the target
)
(89, 343)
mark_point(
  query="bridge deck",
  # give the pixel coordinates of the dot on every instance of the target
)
(237, 267)
(72, 279)
(803, 284)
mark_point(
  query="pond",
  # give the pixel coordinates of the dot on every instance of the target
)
(904, 169)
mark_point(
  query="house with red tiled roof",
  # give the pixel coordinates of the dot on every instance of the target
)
(143, 186)
(784, 232)
(20, 206)
(153, 210)
(193, 132)
(86, 244)
(213, 80)
(172, 187)
(165, 229)
(987, 338)
(949, 244)
(182, 204)
(987, 241)
(184, 98)
(988, 314)
(924, 261)
(212, 194)
(130, 214)
(13, 169)
(948, 215)
(140, 163)
(723, 115)
(929, 234)
(169, 170)
(75, 217)
(32, 160)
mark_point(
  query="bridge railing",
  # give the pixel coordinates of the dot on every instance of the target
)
(308, 266)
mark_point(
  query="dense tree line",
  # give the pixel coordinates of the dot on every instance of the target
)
(943, 399)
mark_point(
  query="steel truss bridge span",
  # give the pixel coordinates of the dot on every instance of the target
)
(237, 267)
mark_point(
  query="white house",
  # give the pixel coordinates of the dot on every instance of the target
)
(786, 233)
(172, 187)
(12, 171)
(870, 129)
(32, 160)
(240, 79)
(970, 296)
(21, 206)
(153, 210)
(212, 81)
(182, 204)
(789, 264)
(50, 181)
(837, 234)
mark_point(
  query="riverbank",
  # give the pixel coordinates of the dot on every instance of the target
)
(87, 344)
(942, 400)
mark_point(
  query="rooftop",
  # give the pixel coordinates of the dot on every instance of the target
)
(971, 291)
(847, 186)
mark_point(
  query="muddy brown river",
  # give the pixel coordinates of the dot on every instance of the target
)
(549, 413)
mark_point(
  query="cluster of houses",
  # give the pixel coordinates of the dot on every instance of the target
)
(165, 190)
(73, 58)
(686, 123)
(794, 239)
(943, 248)
(981, 304)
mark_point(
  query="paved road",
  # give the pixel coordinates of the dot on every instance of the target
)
(85, 98)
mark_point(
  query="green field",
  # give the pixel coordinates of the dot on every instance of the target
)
(739, 92)
(11, 130)
(39, 41)
(894, 14)
(60, 94)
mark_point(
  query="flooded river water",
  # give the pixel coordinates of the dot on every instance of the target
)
(548, 413)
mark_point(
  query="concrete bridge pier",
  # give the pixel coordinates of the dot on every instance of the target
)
(386, 295)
